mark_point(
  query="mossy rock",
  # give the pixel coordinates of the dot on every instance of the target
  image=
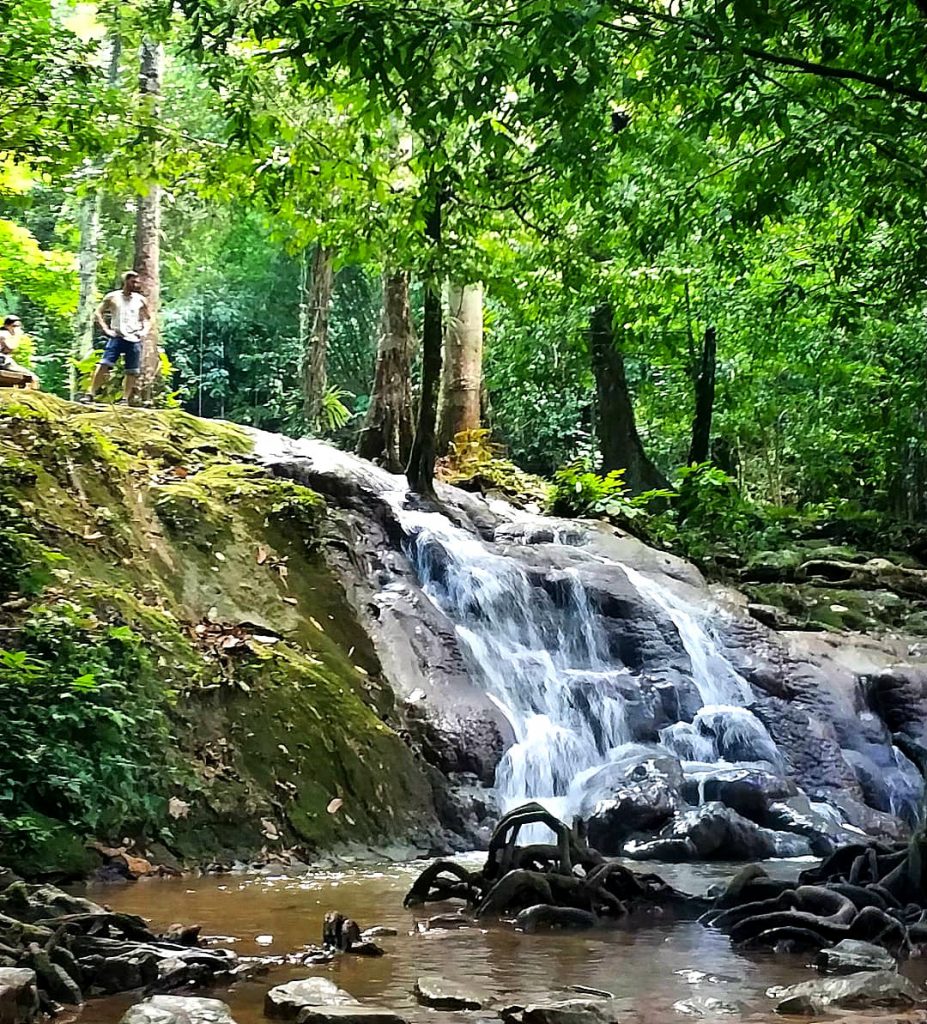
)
(162, 522)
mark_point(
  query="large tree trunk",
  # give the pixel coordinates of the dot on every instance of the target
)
(421, 469)
(704, 380)
(617, 432)
(148, 229)
(463, 363)
(387, 433)
(315, 308)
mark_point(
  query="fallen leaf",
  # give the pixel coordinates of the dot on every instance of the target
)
(269, 829)
(335, 805)
(219, 556)
(262, 554)
(318, 625)
(269, 640)
(93, 536)
(291, 600)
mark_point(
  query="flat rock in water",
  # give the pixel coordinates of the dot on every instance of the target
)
(287, 1001)
(707, 1006)
(378, 932)
(432, 990)
(852, 955)
(179, 1010)
(572, 1011)
(19, 998)
(861, 991)
(348, 1015)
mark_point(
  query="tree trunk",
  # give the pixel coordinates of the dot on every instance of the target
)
(617, 432)
(704, 380)
(88, 255)
(148, 229)
(315, 308)
(387, 433)
(421, 469)
(463, 364)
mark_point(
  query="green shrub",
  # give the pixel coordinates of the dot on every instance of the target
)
(84, 735)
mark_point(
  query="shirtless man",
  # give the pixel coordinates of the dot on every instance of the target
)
(124, 318)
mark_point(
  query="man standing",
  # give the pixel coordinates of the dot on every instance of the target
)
(129, 321)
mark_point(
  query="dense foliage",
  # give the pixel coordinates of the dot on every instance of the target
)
(748, 169)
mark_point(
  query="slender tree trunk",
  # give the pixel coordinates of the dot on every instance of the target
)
(617, 432)
(704, 380)
(315, 309)
(421, 469)
(148, 229)
(88, 255)
(462, 371)
(387, 433)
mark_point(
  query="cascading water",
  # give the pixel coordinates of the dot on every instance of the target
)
(541, 653)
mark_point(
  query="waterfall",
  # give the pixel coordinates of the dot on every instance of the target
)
(539, 649)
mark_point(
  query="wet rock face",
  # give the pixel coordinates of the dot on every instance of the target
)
(526, 651)
(285, 1002)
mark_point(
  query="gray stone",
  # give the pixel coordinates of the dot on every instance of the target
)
(852, 955)
(706, 1006)
(862, 991)
(378, 932)
(19, 998)
(441, 994)
(287, 1001)
(348, 1015)
(179, 1010)
(572, 1011)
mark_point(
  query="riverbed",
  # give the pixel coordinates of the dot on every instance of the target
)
(658, 971)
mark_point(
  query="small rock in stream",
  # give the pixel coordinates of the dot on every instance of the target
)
(852, 955)
(573, 1011)
(441, 994)
(862, 991)
(707, 1006)
(179, 1010)
(348, 1015)
(288, 1001)
(379, 932)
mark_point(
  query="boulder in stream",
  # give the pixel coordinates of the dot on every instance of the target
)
(864, 990)
(19, 998)
(441, 994)
(179, 1010)
(287, 1001)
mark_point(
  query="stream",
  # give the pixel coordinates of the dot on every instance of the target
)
(651, 969)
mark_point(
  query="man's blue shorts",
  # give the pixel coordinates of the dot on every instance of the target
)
(131, 350)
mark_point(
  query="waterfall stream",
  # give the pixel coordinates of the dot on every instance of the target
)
(542, 655)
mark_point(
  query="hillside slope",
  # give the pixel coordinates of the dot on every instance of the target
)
(179, 667)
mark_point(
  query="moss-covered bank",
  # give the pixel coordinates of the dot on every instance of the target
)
(179, 668)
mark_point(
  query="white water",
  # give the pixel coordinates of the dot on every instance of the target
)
(542, 654)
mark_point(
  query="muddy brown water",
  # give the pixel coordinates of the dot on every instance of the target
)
(651, 969)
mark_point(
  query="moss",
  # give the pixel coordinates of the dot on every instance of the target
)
(161, 522)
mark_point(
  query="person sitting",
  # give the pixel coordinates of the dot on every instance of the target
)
(128, 324)
(12, 375)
